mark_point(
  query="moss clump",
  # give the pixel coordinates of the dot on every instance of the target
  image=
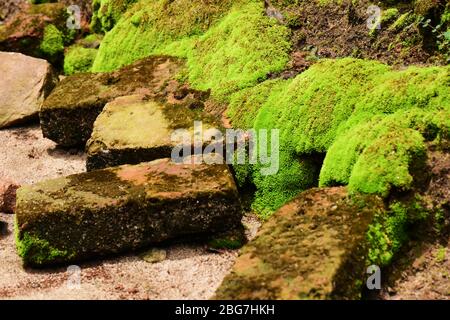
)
(37, 251)
(53, 41)
(224, 55)
(375, 156)
(150, 26)
(106, 13)
(239, 52)
(389, 15)
(390, 230)
(341, 108)
(79, 59)
(403, 21)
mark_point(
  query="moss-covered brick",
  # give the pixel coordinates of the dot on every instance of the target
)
(314, 247)
(119, 209)
(133, 129)
(68, 114)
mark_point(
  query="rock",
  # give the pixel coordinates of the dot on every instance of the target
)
(24, 32)
(68, 114)
(119, 209)
(24, 84)
(133, 129)
(306, 250)
(8, 196)
(9, 7)
(154, 255)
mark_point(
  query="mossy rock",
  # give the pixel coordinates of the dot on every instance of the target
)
(133, 129)
(68, 114)
(104, 212)
(314, 247)
(39, 31)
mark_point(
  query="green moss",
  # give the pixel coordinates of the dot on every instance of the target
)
(389, 14)
(78, 59)
(239, 52)
(403, 21)
(224, 55)
(53, 42)
(106, 13)
(390, 230)
(370, 120)
(150, 27)
(35, 251)
(440, 254)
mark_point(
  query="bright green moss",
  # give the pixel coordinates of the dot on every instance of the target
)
(387, 234)
(78, 59)
(389, 15)
(375, 156)
(385, 164)
(340, 108)
(239, 52)
(106, 13)
(53, 42)
(151, 26)
(403, 21)
(35, 251)
(391, 229)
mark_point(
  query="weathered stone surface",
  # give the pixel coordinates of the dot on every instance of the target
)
(68, 114)
(133, 129)
(24, 83)
(8, 196)
(9, 8)
(24, 31)
(123, 208)
(312, 248)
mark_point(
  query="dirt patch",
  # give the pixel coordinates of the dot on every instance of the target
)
(341, 30)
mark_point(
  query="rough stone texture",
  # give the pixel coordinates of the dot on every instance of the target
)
(68, 114)
(9, 7)
(24, 31)
(8, 196)
(24, 83)
(133, 129)
(312, 248)
(119, 209)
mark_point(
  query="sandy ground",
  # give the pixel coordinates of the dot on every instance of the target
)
(190, 271)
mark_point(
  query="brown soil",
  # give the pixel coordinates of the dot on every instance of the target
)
(333, 31)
